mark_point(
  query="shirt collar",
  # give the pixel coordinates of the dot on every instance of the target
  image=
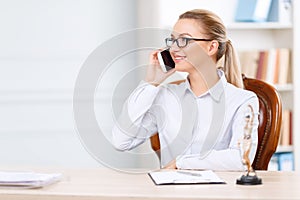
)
(217, 90)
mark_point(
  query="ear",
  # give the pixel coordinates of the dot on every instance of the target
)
(213, 47)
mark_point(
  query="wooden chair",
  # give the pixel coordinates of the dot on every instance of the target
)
(270, 112)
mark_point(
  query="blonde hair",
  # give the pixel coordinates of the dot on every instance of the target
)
(214, 29)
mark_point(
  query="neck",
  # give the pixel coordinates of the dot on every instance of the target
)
(200, 83)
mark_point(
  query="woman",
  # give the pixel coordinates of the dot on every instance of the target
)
(201, 120)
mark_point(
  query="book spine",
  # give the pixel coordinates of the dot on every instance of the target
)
(252, 10)
(272, 66)
(261, 11)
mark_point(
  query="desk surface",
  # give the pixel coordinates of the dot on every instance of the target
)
(89, 184)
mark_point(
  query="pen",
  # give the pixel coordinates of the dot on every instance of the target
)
(189, 173)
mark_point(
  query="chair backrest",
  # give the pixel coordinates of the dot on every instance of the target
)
(270, 114)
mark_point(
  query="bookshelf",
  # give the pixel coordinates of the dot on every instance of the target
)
(270, 35)
(296, 81)
(285, 88)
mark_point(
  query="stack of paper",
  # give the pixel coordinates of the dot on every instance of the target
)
(185, 177)
(27, 179)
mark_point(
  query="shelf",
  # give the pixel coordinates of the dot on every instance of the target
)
(285, 88)
(257, 25)
(282, 149)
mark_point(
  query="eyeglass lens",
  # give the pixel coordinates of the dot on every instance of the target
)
(181, 42)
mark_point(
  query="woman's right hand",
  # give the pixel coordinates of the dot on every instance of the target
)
(155, 74)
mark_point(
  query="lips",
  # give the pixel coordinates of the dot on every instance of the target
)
(179, 58)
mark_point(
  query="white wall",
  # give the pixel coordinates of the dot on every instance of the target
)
(164, 13)
(43, 44)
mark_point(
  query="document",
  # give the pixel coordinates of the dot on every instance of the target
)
(167, 177)
(27, 179)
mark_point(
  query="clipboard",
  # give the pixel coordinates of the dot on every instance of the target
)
(183, 177)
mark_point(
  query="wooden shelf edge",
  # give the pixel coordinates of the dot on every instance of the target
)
(283, 149)
(286, 87)
(257, 25)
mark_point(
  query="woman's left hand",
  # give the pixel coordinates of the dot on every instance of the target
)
(171, 165)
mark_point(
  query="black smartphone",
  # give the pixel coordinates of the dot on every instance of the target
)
(165, 60)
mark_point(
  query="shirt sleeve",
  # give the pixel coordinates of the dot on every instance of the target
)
(230, 158)
(137, 121)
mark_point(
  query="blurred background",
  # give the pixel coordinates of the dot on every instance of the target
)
(44, 43)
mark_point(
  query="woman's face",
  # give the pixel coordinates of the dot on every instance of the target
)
(193, 56)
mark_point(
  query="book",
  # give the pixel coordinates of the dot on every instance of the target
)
(286, 161)
(272, 65)
(27, 179)
(265, 65)
(284, 66)
(276, 70)
(281, 11)
(291, 128)
(273, 164)
(282, 161)
(252, 10)
(285, 132)
(249, 62)
(167, 177)
(260, 65)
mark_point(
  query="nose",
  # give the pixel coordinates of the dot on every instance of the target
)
(174, 47)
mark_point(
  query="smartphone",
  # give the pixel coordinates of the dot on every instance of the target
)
(165, 60)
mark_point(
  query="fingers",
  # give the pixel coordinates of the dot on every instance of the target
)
(155, 75)
(153, 57)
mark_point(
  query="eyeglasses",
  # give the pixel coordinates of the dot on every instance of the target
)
(182, 41)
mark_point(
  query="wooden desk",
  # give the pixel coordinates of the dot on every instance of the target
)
(92, 184)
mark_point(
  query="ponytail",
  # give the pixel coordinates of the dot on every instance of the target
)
(231, 66)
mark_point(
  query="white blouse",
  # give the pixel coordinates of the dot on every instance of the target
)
(199, 132)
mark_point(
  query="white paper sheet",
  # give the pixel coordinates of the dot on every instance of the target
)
(27, 179)
(185, 177)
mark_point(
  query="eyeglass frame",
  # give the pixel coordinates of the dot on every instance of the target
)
(187, 41)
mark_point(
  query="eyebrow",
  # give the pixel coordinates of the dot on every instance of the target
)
(182, 34)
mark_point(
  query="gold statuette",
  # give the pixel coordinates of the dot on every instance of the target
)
(250, 177)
